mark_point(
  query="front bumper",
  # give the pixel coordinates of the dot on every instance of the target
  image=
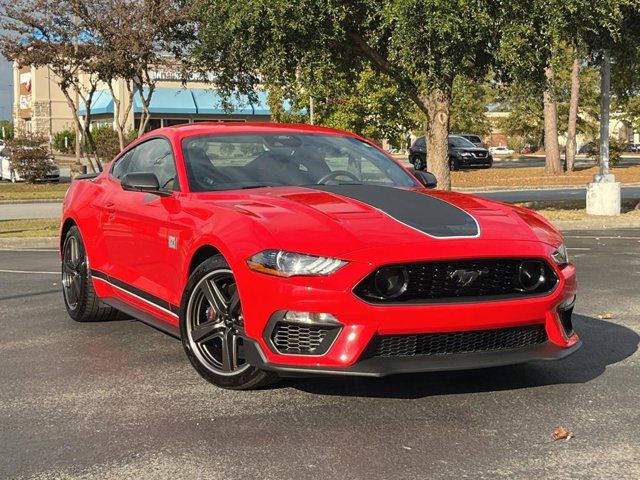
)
(361, 321)
(476, 162)
(380, 367)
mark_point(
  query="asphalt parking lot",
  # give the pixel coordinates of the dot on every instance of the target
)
(119, 399)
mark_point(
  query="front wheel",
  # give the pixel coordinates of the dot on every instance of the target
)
(454, 165)
(419, 163)
(209, 320)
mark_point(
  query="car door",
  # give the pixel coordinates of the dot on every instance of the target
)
(140, 229)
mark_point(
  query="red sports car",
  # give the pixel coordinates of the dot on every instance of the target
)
(290, 249)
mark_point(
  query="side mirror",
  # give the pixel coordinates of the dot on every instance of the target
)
(143, 182)
(427, 179)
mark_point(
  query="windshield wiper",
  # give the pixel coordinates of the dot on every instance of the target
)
(246, 187)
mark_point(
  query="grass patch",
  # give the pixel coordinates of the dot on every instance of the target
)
(36, 227)
(38, 191)
(535, 177)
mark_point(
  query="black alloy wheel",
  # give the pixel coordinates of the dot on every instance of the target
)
(80, 299)
(211, 317)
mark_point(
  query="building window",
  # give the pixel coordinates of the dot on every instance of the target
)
(170, 122)
(152, 124)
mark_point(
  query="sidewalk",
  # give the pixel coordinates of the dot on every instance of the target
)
(30, 209)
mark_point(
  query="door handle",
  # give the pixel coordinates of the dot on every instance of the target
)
(110, 208)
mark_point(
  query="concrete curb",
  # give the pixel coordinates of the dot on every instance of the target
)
(35, 200)
(610, 223)
(29, 242)
(526, 188)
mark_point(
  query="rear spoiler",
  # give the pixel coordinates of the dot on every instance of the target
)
(86, 176)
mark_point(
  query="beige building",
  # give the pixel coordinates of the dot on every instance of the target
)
(41, 107)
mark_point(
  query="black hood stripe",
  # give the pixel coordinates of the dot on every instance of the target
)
(427, 214)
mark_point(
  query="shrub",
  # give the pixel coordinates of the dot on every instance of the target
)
(107, 144)
(8, 129)
(616, 149)
(62, 146)
(29, 157)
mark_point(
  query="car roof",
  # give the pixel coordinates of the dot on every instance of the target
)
(205, 128)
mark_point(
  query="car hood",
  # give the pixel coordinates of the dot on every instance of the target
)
(334, 220)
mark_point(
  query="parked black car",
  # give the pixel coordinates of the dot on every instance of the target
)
(462, 154)
(587, 149)
(475, 139)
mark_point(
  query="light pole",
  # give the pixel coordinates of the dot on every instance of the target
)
(605, 101)
(603, 194)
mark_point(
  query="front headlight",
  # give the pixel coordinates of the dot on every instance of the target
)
(466, 154)
(289, 264)
(560, 256)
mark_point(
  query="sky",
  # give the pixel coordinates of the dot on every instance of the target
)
(6, 89)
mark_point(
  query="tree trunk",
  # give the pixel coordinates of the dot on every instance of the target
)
(573, 112)
(80, 128)
(116, 116)
(551, 146)
(438, 102)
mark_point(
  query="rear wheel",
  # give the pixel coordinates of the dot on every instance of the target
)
(80, 299)
(210, 315)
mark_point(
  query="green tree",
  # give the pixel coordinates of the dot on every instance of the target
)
(469, 103)
(373, 106)
(421, 45)
(534, 33)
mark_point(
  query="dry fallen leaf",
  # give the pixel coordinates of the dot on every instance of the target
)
(560, 433)
(606, 316)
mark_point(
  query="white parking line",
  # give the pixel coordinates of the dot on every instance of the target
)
(30, 271)
(578, 248)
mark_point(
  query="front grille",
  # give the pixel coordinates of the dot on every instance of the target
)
(298, 339)
(480, 154)
(462, 280)
(456, 342)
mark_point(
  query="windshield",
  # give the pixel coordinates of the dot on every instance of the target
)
(460, 142)
(233, 161)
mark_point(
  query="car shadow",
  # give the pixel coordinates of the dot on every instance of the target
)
(604, 343)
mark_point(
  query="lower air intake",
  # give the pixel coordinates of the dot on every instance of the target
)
(455, 342)
(298, 339)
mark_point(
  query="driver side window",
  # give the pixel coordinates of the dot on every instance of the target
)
(153, 156)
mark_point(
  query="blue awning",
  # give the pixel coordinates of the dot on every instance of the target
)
(187, 101)
(209, 102)
(101, 103)
(168, 100)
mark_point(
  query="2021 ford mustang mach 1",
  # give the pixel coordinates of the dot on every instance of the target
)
(289, 249)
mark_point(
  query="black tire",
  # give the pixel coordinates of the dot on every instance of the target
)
(454, 165)
(209, 313)
(80, 299)
(419, 163)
